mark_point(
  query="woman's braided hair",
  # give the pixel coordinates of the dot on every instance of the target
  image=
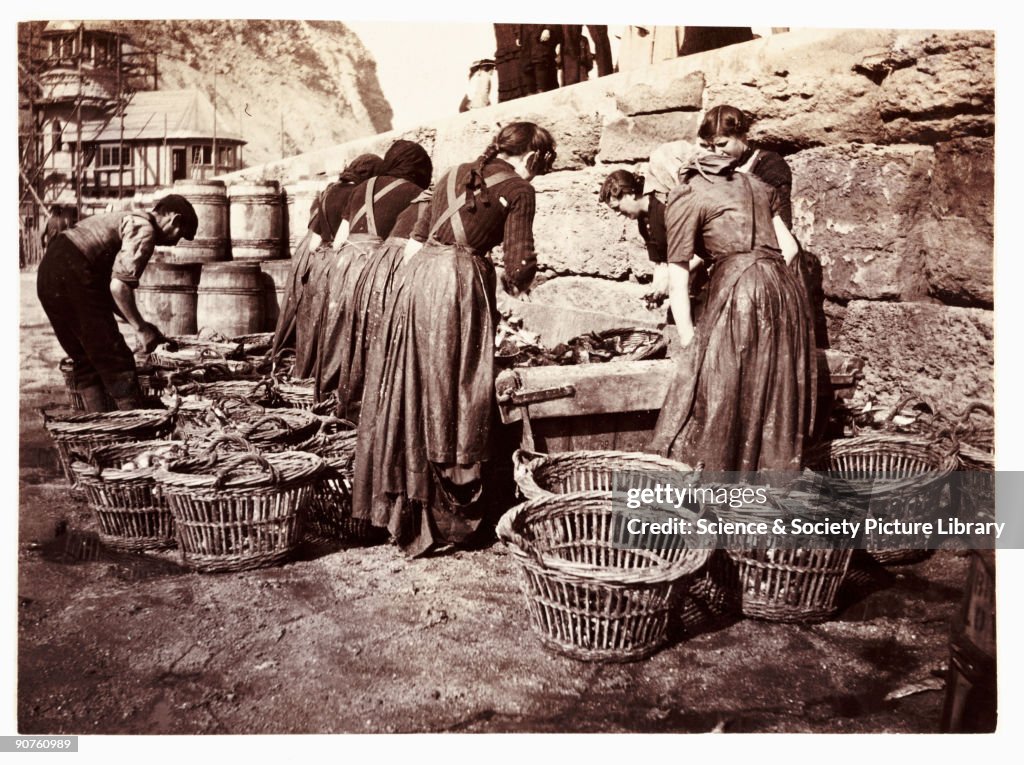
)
(515, 139)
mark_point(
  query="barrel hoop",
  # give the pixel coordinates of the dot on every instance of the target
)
(167, 288)
(232, 290)
(204, 242)
(275, 242)
(206, 199)
(272, 199)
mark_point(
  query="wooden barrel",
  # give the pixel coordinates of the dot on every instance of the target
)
(275, 276)
(209, 198)
(231, 299)
(167, 295)
(256, 220)
(299, 198)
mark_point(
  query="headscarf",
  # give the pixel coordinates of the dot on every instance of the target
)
(362, 167)
(666, 164)
(409, 161)
(705, 163)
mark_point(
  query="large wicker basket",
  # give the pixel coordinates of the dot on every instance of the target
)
(81, 433)
(891, 476)
(329, 513)
(241, 511)
(592, 595)
(540, 475)
(131, 514)
(976, 464)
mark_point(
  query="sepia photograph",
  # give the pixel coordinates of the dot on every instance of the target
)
(480, 374)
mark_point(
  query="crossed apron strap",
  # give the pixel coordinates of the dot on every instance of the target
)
(371, 199)
(457, 203)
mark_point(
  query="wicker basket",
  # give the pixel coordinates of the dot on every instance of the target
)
(240, 511)
(976, 465)
(541, 475)
(329, 513)
(131, 515)
(301, 394)
(890, 476)
(791, 578)
(590, 596)
(258, 344)
(277, 429)
(75, 402)
(637, 344)
(81, 433)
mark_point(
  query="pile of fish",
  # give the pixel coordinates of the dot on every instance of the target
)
(515, 346)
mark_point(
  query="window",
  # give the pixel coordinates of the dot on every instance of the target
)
(55, 133)
(202, 155)
(115, 156)
(227, 156)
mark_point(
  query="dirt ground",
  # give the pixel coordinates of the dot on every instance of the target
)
(361, 640)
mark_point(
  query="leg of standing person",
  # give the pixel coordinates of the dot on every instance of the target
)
(602, 48)
(81, 310)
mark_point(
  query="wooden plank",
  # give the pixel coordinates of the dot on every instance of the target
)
(637, 386)
(618, 386)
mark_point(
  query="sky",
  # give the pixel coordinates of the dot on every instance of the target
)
(422, 74)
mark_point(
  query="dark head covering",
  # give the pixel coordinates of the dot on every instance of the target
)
(409, 161)
(362, 167)
(706, 163)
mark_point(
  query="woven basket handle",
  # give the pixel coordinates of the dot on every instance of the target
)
(229, 438)
(270, 419)
(888, 424)
(225, 404)
(330, 425)
(259, 459)
(280, 359)
(964, 425)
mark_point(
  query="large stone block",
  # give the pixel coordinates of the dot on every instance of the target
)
(574, 122)
(663, 93)
(854, 208)
(956, 235)
(623, 299)
(575, 234)
(939, 87)
(631, 139)
(941, 352)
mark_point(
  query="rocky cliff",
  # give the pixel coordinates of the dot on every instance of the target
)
(312, 80)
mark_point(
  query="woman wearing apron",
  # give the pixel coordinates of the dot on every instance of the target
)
(373, 207)
(422, 447)
(744, 391)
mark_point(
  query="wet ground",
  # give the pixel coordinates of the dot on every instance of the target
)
(362, 640)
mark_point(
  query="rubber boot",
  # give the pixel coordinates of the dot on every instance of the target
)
(125, 391)
(95, 398)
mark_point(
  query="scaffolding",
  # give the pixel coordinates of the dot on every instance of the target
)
(83, 71)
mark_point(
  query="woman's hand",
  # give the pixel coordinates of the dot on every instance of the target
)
(411, 248)
(686, 334)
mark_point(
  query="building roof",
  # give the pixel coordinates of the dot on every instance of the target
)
(153, 115)
(112, 27)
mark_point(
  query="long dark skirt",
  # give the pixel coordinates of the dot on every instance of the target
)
(309, 309)
(336, 309)
(428, 404)
(373, 286)
(744, 390)
(294, 288)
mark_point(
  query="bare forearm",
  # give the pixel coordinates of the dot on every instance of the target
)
(679, 299)
(124, 299)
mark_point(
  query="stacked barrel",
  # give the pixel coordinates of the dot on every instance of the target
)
(230, 278)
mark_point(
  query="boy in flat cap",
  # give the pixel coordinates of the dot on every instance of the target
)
(88, 274)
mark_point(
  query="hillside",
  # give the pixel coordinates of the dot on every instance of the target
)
(313, 81)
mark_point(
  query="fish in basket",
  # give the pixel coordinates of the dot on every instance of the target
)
(81, 433)
(205, 407)
(239, 511)
(119, 486)
(594, 590)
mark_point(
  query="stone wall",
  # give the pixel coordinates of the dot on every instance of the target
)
(890, 138)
